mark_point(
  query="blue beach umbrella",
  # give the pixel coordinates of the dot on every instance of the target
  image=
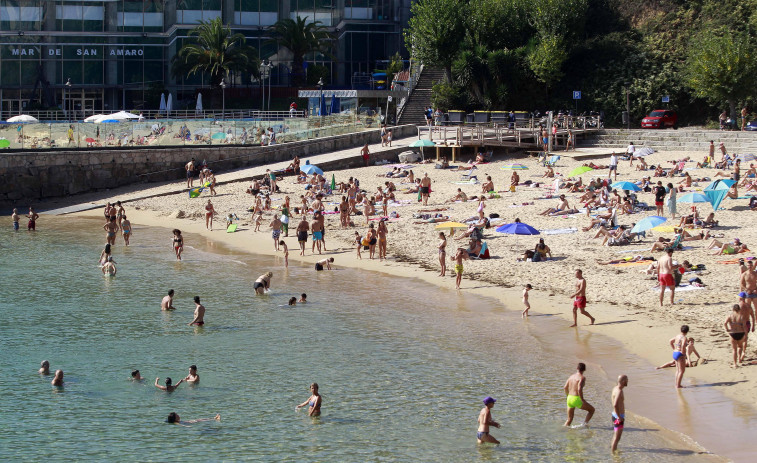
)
(626, 186)
(517, 228)
(693, 198)
(310, 169)
(648, 223)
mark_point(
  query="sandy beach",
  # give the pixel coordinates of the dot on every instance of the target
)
(622, 298)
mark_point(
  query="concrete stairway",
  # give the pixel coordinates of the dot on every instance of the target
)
(420, 98)
(676, 140)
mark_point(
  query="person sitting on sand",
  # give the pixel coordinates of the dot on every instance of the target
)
(549, 173)
(690, 351)
(733, 192)
(619, 236)
(658, 172)
(460, 196)
(562, 206)
(415, 188)
(542, 250)
(685, 183)
(488, 185)
(642, 164)
(710, 221)
(735, 247)
(514, 180)
(606, 219)
(690, 219)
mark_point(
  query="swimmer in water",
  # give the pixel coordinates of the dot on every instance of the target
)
(174, 418)
(484, 421)
(313, 402)
(167, 302)
(292, 300)
(168, 387)
(126, 230)
(192, 377)
(618, 410)
(58, 379)
(303, 298)
(199, 319)
(109, 268)
(136, 376)
(44, 368)
(574, 390)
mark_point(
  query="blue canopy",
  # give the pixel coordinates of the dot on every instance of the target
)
(648, 223)
(716, 197)
(627, 186)
(693, 198)
(723, 184)
(518, 228)
(310, 169)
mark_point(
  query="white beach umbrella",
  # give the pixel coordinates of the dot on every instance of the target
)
(22, 118)
(198, 107)
(169, 104)
(93, 118)
(162, 107)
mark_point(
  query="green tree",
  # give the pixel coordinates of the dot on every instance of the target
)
(720, 66)
(546, 59)
(559, 18)
(215, 51)
(434, 32)
(301, 38)
(394, 66)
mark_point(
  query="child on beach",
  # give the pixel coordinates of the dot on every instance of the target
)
(690, 350)
(258, 221)
(286, 252)
(15, 218)
(458, 258)
(526, 289)
(359, 242)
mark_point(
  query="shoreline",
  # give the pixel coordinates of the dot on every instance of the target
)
(545, 305)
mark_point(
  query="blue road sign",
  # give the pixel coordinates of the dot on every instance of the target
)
(576, 94)
(666, 99)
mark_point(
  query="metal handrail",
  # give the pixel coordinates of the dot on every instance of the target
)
(412, 81)
(190, 114)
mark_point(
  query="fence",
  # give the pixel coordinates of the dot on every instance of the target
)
(172, 132)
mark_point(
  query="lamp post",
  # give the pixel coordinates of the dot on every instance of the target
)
(68, 85)
(265, 70)
(270, 68)
(320, 101)
(223, 99)
(628, 106)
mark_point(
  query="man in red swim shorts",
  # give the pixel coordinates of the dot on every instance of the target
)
(579, 298)
(665, 275)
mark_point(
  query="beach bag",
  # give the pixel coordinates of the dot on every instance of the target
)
(285, 219)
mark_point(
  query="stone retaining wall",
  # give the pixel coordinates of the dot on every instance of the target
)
(34, 175)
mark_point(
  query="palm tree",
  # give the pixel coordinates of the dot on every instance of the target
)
(216, 52)
(301, 38)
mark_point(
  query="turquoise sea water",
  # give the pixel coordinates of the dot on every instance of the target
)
(402, 365)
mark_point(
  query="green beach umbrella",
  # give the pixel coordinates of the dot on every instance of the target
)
(514, 166)
(420, 143)
(579, 171)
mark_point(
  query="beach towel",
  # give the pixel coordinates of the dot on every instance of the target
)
(664, 229)
(631, 264)
(683, 287)
(469, 182)
(559, 231)
(734, 261)
(631, 251)
(387, 219)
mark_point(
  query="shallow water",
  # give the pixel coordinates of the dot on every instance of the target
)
(402, 365)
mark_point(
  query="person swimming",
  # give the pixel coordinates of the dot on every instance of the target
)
(174, 418)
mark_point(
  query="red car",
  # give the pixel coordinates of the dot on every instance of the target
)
(660, 119)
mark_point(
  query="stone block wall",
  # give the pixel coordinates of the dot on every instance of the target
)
(34, 175)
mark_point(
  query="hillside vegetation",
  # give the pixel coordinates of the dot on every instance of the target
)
(532, 54)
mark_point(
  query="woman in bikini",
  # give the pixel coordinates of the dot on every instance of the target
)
(120, 213)
(110, 229)
(481, 206)
(442, 254)
(677, 344)
(178, 243)
(313, 403)
(126, 229)
(104, 255)
(209, 213)
(371, 237)
(382, 231)
(734, 326)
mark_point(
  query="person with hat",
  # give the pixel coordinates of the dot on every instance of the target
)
(484, 421)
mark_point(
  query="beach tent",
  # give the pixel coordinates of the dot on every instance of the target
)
(198, 106)
(93, 118)
(162, 106)
(169, 104)
(723, 184)
(22, 118)
(716, 197)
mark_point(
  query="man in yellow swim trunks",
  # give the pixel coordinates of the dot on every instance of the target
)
(574, 389)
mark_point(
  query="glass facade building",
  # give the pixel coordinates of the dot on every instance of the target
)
(112, 51)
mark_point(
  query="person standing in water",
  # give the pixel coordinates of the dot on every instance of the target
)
(109, 268)
(263, 283)
(199, 316)
(678, 344)
(526, 289)
(44, 368)
(178, 243)
(574, 390)
(618, 410)
(58, 379)
(32, 216)
(126, 230)
(458, 258)
(286, 252)
(192, 377)
(579, 298)
(313, 403)
(15, 218)
(110, 229)
(169, 387)
(302, 233)
(167, 302)
(484, 421)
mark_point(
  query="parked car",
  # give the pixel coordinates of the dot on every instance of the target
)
(660, 119)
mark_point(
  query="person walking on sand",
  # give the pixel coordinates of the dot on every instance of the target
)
(190, 168)
(749, 286)
(458, 258)
(425, 188)
(126, 230)
(313, 403)
(199, 316)
(365, 154)
(484, 421)
(579, 298)
(302, 233)
(735, 326)
(167, 302)
(263, 283)
(618, 410)
(209, 213)
(678, 344)
(317, 237)
(178, 243)
(665, 275)
(659, 198)
(613, 166)
(574, 390)
(526, 289)
(442, 246)
(275, 231)
(286, 252)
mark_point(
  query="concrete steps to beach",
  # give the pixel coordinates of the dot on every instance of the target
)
(676, 140)
(420, 98)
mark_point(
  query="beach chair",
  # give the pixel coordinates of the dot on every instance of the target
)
(469, 174)
(484, 254)
(552, 161)
(676, 244)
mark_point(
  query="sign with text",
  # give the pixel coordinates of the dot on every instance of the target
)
(576, 94)
(666, 99)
